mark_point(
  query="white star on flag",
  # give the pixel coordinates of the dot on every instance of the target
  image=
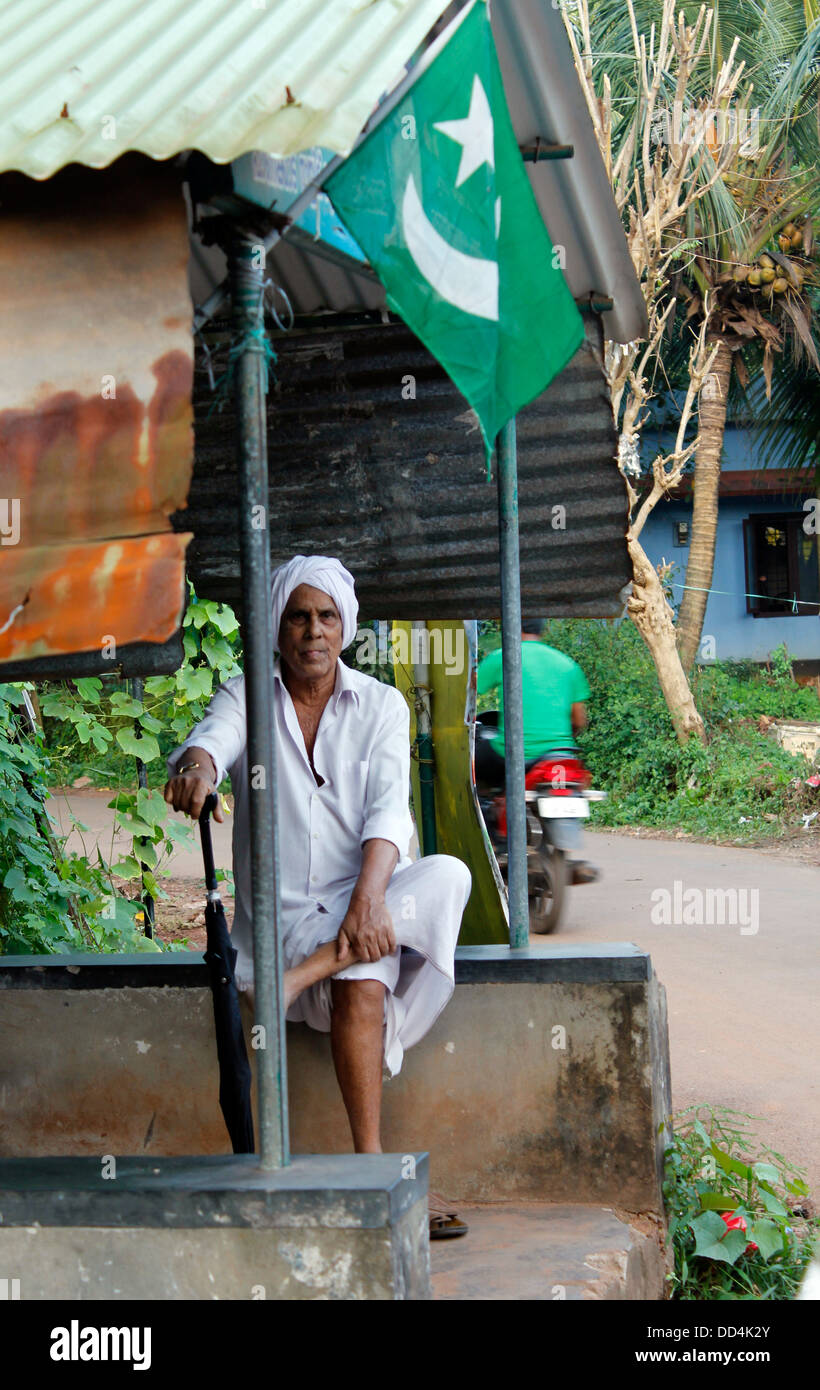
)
(474, 132)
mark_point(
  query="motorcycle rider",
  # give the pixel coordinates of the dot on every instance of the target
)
(554, 695)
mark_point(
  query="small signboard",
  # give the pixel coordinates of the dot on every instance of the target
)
(272, 182)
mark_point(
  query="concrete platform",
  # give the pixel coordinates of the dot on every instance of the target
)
(349, 1227)
(546, 1078)
(535, 1252)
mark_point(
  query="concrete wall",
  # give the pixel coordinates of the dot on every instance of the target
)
(546, 1077)
(351, 1227)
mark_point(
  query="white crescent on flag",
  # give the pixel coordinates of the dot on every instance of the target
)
(468, 282)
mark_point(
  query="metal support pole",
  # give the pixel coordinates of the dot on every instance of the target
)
(247, 270)
(424, 737)
(511, 668)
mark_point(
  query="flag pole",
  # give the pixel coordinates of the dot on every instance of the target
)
(512, 685)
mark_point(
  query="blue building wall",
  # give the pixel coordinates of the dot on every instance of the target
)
(737, 634)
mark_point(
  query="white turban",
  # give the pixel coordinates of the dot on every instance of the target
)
(321, 572)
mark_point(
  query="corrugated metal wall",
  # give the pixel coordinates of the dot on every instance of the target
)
(376, 458)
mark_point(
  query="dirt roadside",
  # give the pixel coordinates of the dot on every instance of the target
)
(798, 844)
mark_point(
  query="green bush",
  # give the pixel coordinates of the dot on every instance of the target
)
(95, 728)
(51, 900)
(739, 784)
(715, 1166)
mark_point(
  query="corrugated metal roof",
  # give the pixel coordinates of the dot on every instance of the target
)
(396, 487)
(85, 80)
(574, 195)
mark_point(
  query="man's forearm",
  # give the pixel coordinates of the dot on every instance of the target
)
(379, 859)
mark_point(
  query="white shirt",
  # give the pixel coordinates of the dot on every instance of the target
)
(362, 750)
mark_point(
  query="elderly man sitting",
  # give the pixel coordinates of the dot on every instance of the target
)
(368, 936)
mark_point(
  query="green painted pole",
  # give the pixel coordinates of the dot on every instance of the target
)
(424, 739)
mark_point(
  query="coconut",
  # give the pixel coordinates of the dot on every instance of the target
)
(768, 273)
(765, 261)
(753, 279)
(789, 229)
(796, 239)
(780, 284)
(785, 243)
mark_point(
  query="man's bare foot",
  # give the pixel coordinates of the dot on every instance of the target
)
(321, 965)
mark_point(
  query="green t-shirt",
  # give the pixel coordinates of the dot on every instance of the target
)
(552, 684)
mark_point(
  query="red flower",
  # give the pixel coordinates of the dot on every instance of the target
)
(814, 780)
(738, 1223)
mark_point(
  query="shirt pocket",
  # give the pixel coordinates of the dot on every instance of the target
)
(352, 792)
(353, 773)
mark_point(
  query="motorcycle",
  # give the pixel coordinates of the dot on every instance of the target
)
(558, 796)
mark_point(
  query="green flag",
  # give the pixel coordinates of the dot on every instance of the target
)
(438, 199)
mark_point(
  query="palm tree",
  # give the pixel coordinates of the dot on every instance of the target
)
(756, 293)
(787, 427)
(749, 261)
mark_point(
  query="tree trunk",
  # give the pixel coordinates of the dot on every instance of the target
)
(653, 617)
(701, 563)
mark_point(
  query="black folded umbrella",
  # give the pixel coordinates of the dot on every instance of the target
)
(220, 957)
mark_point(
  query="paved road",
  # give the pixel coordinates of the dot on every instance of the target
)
(744, 1009)
(744, 1020)
(91, 807)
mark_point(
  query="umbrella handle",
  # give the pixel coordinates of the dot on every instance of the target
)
(207, 847)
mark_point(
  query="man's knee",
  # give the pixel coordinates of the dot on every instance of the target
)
(450, 870)
(362, 998)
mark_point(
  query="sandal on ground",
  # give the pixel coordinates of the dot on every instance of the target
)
(444, 1222)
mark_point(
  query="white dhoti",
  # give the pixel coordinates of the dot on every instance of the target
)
(426, 901)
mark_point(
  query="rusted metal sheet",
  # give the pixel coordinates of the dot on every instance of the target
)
(375, 457)
(95, 413)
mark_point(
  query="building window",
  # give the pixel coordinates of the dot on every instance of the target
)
(782, 567)
(680, 532)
